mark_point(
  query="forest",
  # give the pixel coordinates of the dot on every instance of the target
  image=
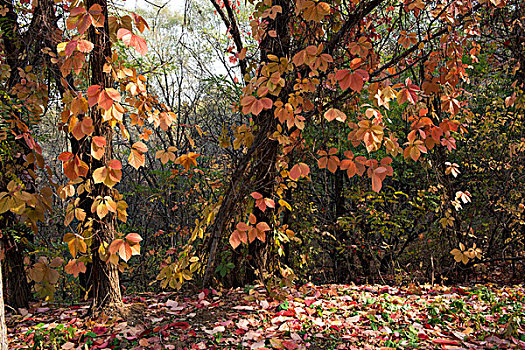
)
(266, 174)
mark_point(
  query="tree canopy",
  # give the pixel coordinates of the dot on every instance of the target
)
(269, 143)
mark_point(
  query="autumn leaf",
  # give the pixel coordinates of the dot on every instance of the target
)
(460, 255)
(407, 39)
(348, 164)
(408, 92)
(140, 22)
(73, 166)
(136, 157)
(360, 47)
(75, 244)
(237, 237)
(354, 80)
(82, 19)
(329, 160)
(92, 93)
(107, 97)
(126, 247)
(74, 267)
(187, 160)
(315, 12)
(334, 113)
(132, 40)
(110, 174)
(450, 104)
(98, 147)
(42, 272)
(250, 104)
(166, 156)
(83, 46)
(414, 147)
(261, 202)
(298, 170)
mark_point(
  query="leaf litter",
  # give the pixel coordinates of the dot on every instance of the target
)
(305, 317)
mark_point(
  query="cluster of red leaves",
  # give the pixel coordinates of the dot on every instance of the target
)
(320, 317)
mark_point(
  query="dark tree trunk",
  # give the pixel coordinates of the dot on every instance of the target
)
(17, 287)
(3, 328)
(106, 284)
(340, 272)
(257, 170)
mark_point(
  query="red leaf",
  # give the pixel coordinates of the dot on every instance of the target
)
(263, 226)
(65, 156)
(182, 325)
(445, 341)
(241, 226)
(256, 195)
(133, 238)
(115, 164)
(290, 345)
(295, 172)
(84, 46)
(133, 40)
(100, 141)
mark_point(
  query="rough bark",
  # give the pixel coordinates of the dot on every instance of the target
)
(340, 270)
(16, 284)
(22, 50)
(3, 328)
(106, 284)
(257, 170)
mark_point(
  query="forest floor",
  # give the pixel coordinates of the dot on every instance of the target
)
(309, 317)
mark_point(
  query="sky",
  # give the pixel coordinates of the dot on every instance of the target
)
(177, 5)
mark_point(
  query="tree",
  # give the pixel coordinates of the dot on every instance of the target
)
(3, 328)
(322, 64)
(93, 108)
(25, 96)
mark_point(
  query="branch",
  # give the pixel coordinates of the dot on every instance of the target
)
(361, 12)
(231, 23)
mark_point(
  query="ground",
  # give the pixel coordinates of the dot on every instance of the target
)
(306, 317)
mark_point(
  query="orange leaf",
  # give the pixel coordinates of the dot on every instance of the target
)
(357, 79)
(133, 40)
(92, 92)
(133, 238)
(115, 164)
(243, 227)
(187, 160)
(115, 245)
(100, 174)
(136, 159)
(98, 147)
(334, 113)
(299, 170)
(84, 46)
(263, 226)
(87, 126)
(256, 195)
(236, 238)
(140, 22)
(74, 267)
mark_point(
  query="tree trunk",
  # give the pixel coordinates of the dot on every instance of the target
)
(340, 270)
(106, 284)
(257, 170)
(16, 282)
(3, 327)
(22, 50)
(16, 287)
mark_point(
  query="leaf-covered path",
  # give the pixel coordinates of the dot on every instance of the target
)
(312, 317)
